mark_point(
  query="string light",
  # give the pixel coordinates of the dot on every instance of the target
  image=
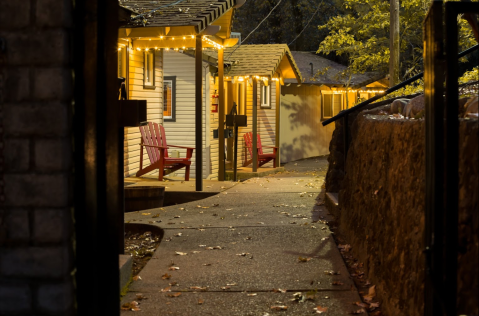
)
(212, 43)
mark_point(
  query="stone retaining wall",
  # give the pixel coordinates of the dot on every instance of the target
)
(382, 208)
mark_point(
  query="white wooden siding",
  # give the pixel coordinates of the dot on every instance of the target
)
(154, 101)
(182, 131)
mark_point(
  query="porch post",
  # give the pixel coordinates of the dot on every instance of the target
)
(278, 121)
(255, 125)
(221, 116)
(199, 113)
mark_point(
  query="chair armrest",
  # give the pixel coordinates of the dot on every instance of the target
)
(181, 147)
(270, 147)
(153, 146)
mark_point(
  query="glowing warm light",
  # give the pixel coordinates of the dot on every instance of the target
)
(119, 48)
(192, 36)
(184, 37)
(139, 49)
(173, 38)
(161, 37)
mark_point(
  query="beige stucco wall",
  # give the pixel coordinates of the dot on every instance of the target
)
(302, 134)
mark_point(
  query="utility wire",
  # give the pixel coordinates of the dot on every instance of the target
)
(154, 10)
(277, 4)
(307, 23)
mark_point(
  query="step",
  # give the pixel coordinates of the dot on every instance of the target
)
(126, 268)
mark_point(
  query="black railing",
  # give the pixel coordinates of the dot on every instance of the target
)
(388, 91)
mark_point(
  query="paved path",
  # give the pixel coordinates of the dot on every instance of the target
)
(264, 227)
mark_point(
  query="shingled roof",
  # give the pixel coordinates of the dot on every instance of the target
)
(326, 71)
(161, 13)
(259, 60)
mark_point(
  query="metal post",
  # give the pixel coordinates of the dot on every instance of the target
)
(434, 101)
(278, 122)
(199, 113)
(235, 155)
(255, 125)
(221, 116)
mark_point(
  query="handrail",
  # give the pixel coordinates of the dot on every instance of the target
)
(388, 91)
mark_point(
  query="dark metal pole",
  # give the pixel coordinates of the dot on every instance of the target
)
(235, 154)
(199, 113)
(221, 116)
(255, 125)
(434, 210)
(452, 159)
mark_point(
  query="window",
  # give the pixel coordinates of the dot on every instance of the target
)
(149, 70)
(122, 62)
(265, 96)
(169, 99)
(331, 105)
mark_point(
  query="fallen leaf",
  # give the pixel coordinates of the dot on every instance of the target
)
(224, 288)
(166, 276)
(173, 283)
(199, 288)
(301, 259)
(140, 296)
(320, 309)
(279, 290)
(371, 294)
(196, 251)
(207, 264)
(279, 307)
(131, 306)
(178, 235)
(242, 254)
(173, 295)
(231, 284)
(200, 301)
(374, 305)
(135, 278)
(361, 304)
(145, 213)
(325, 238)
(173, 268)
(251, 294)
(155, 216)
(181, 253)
(166, 289)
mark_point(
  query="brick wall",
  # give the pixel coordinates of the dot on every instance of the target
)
(36, 248)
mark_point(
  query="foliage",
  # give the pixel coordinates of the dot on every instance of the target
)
(362, 34)
(469, 76)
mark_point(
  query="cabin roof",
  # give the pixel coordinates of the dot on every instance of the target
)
(330, 77)
(260, 60)
(169, 13)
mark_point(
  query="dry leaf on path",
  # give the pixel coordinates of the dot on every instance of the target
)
(320, 309)
(166, 276)
(166, 289)
(181, 253)
(173, 295)
(279, 290)
(140, 296)
(301, 259)
(361, 304)
(359, 311)
(371, 294)
(145, 213)
(135, 278)
(279, 307)
(173, 268)
(251, 294)
(131, 306)
(200, 301)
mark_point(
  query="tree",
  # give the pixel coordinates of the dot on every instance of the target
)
(362, 35)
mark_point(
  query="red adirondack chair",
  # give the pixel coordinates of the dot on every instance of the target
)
(154, 140)
(262, 158)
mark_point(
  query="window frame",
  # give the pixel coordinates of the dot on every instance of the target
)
(171, 118)
(241, 102)
(149, 85)
(121, 70)
(266, 105)
(333, 96)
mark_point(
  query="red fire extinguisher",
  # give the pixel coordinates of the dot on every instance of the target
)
(214, 103)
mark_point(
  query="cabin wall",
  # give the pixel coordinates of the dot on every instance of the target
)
(182, 131)
(154, 103)
(302, 135)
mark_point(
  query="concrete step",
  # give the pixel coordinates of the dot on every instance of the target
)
(126, 268)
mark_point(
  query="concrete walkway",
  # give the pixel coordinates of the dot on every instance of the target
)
(239, 250)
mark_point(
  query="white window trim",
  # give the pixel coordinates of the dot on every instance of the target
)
(334, 96)
(267, 101)
(149, 66)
